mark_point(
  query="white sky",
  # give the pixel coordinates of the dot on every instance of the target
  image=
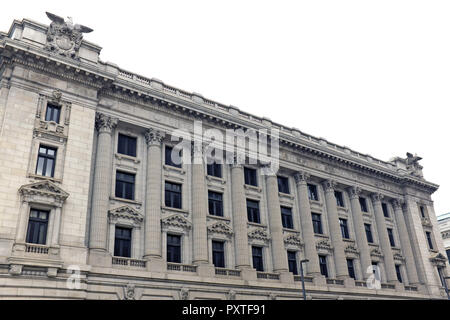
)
(371, 75)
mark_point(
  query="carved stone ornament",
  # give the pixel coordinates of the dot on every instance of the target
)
(329, 185)
(154, 137)
(301, 177)
(354, 192)
(377, 197)
(231, 295)
(398, 256)
(413, 166)
(44, 189)
(129, 292)
(294, 240)
(324, 244)
(258, 234)
(220, 228)
(438, 259)
(177, 221)
(127, 213)
(104, 123)
(184, 294)
(376, 252)
(352, 249)
(63, 37)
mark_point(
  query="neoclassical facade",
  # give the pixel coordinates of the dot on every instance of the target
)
(92, 205)
(444, 227)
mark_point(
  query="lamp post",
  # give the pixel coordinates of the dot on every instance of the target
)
(303, 278)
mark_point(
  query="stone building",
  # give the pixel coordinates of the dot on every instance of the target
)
(93, 207)
(444, 227)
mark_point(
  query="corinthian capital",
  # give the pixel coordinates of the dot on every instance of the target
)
(397, 203)
(105, 123)
(329, 185)
(377, 197)
(153, 137)
(301, 177)
(354, 192)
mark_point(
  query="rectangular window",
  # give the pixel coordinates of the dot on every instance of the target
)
(125, 185)
(363, 204)
(399, 273)
(215, 203)
(441, 276)
(283, 185)
(385, 209)
(368, 229)
(312, 192)
(250, 177)
(218, 253)
(127, 145)
(122, 242)
(253, 211)
(37, 227)
(430, 241)
(323, 266)
(448, 254)
(344, 228)
(257, 253)
(173, 248)
(53, 113)
(339, 199)
(391, 237)
(292, 262)
(422, 211)
(317, 223)
(172, 161)
(172, 196)
(351, 268)
(46, 161)
(214, 170)
(286, 218)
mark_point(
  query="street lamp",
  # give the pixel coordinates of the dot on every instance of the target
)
(303, 278)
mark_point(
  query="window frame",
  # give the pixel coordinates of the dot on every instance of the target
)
(125, 138)
(363, 203)
(313, 192)
(248, 178)
(368, 231)
(292, 260)
(53, 107)
(339, 195)
(175, 248)
(214, 169)
(34, 222)
(252, 211)
(385, 209)
(287, 219)
(218, 252)
(171, 194)
(317, 223)
(283, 185)
(343, 224)
(351, 268)
(168, 160)
(323, 265)
(429, 240)
(215, 203)
(260, 265)
(391, 237)
(45, 158)
(125, 183)
(119, 242)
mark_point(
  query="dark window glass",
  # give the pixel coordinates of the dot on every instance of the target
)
(173, 162)
(448, 254)
(286, 218)
(430, 241)
(312, 192)
(46, 162)
(317, 223)
(253, 211)
(215, 203)
(339, 199)
(173, 248)
(292, 262)
(351, 268)
(441, 275)
(391, 237)
(172, 195)
(214, 169)
(368, 229)
(257, 258)
(399, 273)
(250, 177)
(385, 210)
(127, 145)
(422, 211)
(283, 185)
(53, 113)
(344, 228)
(125, 185)
(37, 227)
(218, 253)
(122, 243)
(363, 203)
(323, 265)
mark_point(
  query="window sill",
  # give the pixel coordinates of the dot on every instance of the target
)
(316, 203)
(320, 235)
(37, 177)
(175, 169)
(165, 209)
(120, 156)
(215, 179)
(257, 224)
(291, 230)
(286, 195)
(126, 201)
(210, 216)
(252, 188)
(348, 240)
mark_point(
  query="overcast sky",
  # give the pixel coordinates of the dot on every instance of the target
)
(371, 75)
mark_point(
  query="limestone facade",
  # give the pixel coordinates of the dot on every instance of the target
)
(98, 101)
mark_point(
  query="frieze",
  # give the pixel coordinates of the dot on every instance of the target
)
(258, 234)
(220, 228)
(127, 213)
(177, 221)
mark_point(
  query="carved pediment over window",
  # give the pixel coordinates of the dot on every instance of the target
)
(127, 213)
(426, 222)
(294, 240)
(398, 256)
(220, 228)
(258, 234)
(438, 259)
(177, 221)
(44, 190)
(352, 249)
(324, 244)
(376, 252)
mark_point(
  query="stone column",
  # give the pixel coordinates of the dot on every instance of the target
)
(335, 230)
(152, 227)
(199, 206)
(240, 220)
(56, 227)
(405, 242)
(360, 233)
(312, 267)
(279, 253)
(101, 190)
(389, 263)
